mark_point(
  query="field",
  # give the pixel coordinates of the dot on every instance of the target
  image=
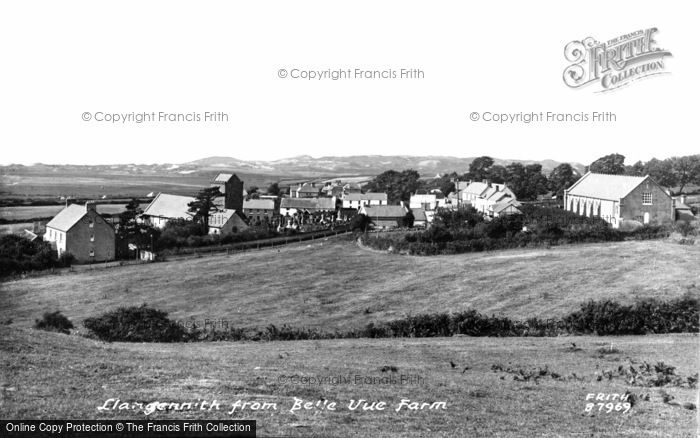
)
(333, 284)
(44, 370)
(49, 211)
(50, 182)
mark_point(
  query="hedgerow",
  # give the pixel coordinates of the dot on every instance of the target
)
(606, 317)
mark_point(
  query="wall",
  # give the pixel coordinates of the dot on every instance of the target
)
(79, 244)
(660, 211)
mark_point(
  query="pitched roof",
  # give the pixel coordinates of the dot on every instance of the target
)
(260, 204)
(500, 206)
(67, 217)
(223, 177)
(306, 203)
(385, 211)
(169, 206)
(419, 214)
(309, 188)
(475, 188)
(366, 196)
(604, 186)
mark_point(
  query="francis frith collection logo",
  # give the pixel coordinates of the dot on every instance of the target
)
(614, 63)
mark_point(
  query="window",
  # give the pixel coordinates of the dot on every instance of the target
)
(646, 198)
(92, 238)
(92, 253)
(91, 224)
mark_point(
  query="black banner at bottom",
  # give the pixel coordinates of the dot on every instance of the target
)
(127, 428)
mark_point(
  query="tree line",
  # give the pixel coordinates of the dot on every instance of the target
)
(528, 181)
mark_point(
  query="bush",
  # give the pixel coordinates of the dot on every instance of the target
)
(455, 232)
(18, 254)
(54, 322)
(646, 316)
(136, 324)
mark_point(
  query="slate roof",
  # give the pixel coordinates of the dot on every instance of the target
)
(67, 217)
(366, 196)
(169, 206)
(419, 214)
(499, 207)
(604, 186)
(308, 188)
(475, 188)
(308, 203)
(385, 211)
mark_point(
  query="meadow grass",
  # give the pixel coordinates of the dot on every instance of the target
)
(49, 375)
(334, 285)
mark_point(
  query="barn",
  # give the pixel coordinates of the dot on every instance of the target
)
(619, 198)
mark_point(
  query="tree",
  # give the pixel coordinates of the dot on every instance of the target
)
(498, 174)
(479, 168)
(561, 178)
(274, 189)
(447, 187)
(660, 171)
(361, 222)
(450, 219)
(397, 185)
(203, 205)
(686, 170)
(526, 181)
(409, 219)
(127, 219)
(613, 164)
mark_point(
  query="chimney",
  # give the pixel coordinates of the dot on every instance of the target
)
(91, 206)
(682, 198)
(485, 181)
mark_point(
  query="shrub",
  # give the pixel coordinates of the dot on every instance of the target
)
(54, 322)
(18, 254)
(136, 324)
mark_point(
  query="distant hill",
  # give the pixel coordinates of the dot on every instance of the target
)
(297, 168)
(355, 165)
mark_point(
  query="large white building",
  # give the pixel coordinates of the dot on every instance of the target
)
(619, 198)
(357, 200)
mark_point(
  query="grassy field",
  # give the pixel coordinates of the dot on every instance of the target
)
(47, 182)
(333, 284)
(49, 211)
(17, 228)
(48, 375)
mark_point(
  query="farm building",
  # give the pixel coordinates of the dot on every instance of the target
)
(619, 198)
(259, 209)
(290, 206)
(683, 212)
(357, 200)
(82, 232)
(385, 216)
(428, 201)
(505, 208)
(420, 219)
(225, 222)
(165, 208)
(306, 190)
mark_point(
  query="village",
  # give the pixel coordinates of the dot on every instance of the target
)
(89, 237)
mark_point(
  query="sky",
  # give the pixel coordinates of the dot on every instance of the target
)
(65, 62)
